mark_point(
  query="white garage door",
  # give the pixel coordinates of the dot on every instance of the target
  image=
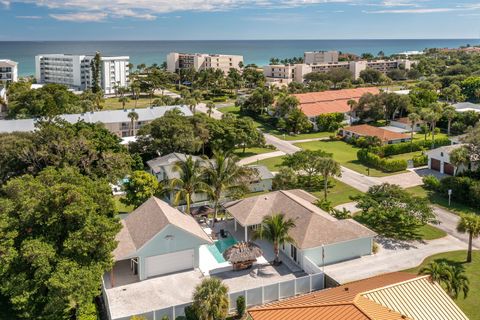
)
(168, 263)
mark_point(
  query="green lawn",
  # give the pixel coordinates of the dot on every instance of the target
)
(421, 136)
(251, 152)
(437, 199)
(339, 193)
(113, 104)
(472, 270)
(405, 156)
(428, 232)
(303, 136)
(273, 164)
(230, 109)
(345, 154)
(122, 208)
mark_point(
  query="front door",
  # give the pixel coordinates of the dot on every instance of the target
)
(293, 252)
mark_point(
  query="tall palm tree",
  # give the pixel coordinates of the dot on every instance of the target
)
(414, 119)
(210, 106)
(133, 116)
(225, 175)
(450, 113)
(460, 157)
(328, 168)
(191, 180)
(459, 282)
(210, 299)
(434, 116)
(451, 277)
(352, 104)
(123, 99)
(438, 272)
(275, 228)
(469, 223)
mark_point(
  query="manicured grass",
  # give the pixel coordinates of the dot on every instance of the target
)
(273, 164)
(345, 154)
(429, 232)
(405, 156)
(113, 104)
(303, 136)
(441, 201)
(421, 136)
(122, 208)
(251, 152)
(230, 109)
(472, 271)
(339, 193)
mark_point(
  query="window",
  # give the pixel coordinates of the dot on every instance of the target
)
(293, 252)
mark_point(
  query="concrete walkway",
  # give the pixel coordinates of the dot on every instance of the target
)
(350, 206)
(307, 140)
(448, 223)
(282, 145)
(262, 156)
(392, 256)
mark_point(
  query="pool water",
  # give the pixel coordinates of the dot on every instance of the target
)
(220, 246)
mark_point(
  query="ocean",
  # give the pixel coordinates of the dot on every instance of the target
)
(254, 51)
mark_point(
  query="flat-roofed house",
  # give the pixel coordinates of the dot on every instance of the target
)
(405, 124)
(314, 104)
(320, 239)
(393, 296)
(439, 160)
(365, 130)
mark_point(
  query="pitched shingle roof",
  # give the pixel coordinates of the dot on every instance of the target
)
(371, 131)
(297, 205)
(391, 296)
(331, 101)
(148, 220)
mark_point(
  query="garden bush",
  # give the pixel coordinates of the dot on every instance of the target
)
(420, 160)
(383, 164)
(431, 182)
(330, 122)
(406, 147)
(241, 306)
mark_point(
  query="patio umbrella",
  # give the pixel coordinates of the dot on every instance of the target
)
(243, 252)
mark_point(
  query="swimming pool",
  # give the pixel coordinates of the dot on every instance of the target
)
(220, 246)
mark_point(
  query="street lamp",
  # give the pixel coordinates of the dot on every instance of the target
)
(449, 196)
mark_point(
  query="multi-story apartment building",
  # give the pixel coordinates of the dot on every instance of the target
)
(75, 71)
(284, 74)
(316, 57)
(201, 61)
(8, 71)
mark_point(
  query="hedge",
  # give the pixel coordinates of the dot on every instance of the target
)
(383, 164)
(420, 160)
(464, 189)
(406, 147)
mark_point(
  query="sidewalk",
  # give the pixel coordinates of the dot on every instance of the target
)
(258, 157)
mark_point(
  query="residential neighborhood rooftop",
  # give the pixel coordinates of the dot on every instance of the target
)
(330, 101)
(371, 131)
(386, 297)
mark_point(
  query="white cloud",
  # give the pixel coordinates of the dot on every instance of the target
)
(28, 17)
(5, 3)
(80, 16)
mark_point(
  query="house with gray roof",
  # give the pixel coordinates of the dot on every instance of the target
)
(163, 168)
(155, 239)
(319, 238)
(467, 106)
(116, 121)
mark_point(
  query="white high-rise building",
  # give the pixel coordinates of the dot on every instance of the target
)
(8, 71)
(314, 57)
(201, 61)
(75, 71)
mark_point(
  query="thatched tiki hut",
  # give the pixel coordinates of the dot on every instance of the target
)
(242, 255)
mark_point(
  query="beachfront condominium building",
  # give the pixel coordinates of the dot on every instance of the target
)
(201, 61)
(284, 74)
(316, 57)
(8, 71)
(75, 71)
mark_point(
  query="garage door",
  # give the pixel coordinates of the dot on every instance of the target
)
(435, 164)
(448, 168)
(168, 263)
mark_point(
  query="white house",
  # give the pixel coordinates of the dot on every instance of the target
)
(320, 239)
(439, 160)
(405, 124)
(8, 71)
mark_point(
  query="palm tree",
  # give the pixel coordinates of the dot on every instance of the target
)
(437, 110)
(469, 223)
(450, 113)
(123, 100)
(414, 118)
(438, 272)
(328, 168)
(191, 180)
(275, 228)
(210, 299)
(352, 104)
(224, 175)
(459, 157)
(210, 107)
(133, 116)
(451, 277)
(459, 282)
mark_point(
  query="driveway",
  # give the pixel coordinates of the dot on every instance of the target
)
(357, 180)
(392, 256)
(448, 223)
(282, 145)
(258, 157)
(405, 180)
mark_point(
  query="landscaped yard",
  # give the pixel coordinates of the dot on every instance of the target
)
(472, 270)
(428, 232)
(437, 199)
(122, 208)
(273, 164)
(405, 156)
(230, 109)
(113, 104)
(345, 154)
(339, 193)
(251, 152)
(303, 136)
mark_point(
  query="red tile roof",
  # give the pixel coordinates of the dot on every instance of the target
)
(371, 131)
(317, 103)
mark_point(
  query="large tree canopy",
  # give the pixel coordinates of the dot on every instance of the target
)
(56, 238)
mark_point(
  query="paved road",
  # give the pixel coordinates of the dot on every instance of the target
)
(282, 145)
(357, 180)
(391, 257)
(448, 223)
(202, 107)
(261, 156)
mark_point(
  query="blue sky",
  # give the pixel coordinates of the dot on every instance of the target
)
(237, 19)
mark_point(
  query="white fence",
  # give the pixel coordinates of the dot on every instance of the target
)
(253, 297)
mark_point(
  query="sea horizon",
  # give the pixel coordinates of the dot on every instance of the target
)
(255, 51)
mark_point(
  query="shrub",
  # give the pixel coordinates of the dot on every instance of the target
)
(375, 247)
(330, 122)
(431, 182)
(420, 160)
(383, 164)
(241, 306)
(341, 214)
(190, 313)
(405, 147)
